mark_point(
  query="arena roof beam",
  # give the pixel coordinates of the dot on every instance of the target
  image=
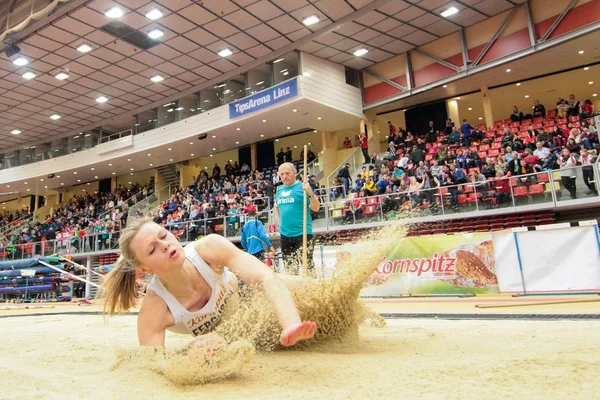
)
(410, 78)
(386, 80)
(558, 21)
(496, 36)
(437, 60)
(530, 23)
(464, 48)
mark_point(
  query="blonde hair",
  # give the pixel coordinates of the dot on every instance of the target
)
(119, 286)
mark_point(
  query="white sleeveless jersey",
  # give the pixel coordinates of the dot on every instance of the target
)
(206, 319)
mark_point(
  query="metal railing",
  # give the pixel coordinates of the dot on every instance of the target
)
(547, 189)
(354, 163)
(115, 136)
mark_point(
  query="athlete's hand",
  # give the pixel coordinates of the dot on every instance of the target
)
(307, 189)
(294, 334)
(210, 344)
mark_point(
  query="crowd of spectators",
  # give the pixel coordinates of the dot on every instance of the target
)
(510, 153)
(86, 222)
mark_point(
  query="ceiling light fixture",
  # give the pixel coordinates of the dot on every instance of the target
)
(84, 48)
(449, 12)
(238, 129)
(581, 51)
(262, 135)
(289, 127)
(311, 20)
(192, 154)
(225, 53)
(445, 86)
(114, 12)
(276, 61)
(169, 149)
(519, 84)
(154, 14)
(157, 78)
(101, 99)
(508, 70)
(15, 131)
(294, 110)
(237, 142)
(20, 61)
(319, 118)
(361, 52)
(526, 96)
(28, 75)
(61, 76)
(155, 33)
(470, 108)
(590, 82)
(595, 94)
(480, 118)
(55, 116)
(586, 68)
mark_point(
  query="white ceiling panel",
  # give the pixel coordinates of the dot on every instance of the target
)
(264, 10)
(409, 14)
(419, 38)
(285, 24)
(397, 47)
(334, 9)
(242, 19)
(442, 28)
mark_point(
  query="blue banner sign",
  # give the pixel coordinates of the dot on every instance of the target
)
(266, 98)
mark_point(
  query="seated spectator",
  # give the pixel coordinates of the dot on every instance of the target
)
(347, 144)
(516, 115)
(454, 136)
(479, 182)
(543, 136)
(359, 183)
(382, 184)
(586, 110)
(489, 169)
(461, 160)
(588, 141)
(370, 188)
(421, 169)
(525, 169)
(529, 139)
(557, 137)
(436, 170)
(539, 111)
(353, 211)
(501, 165)
(397, 173)
(502, 186)
(562, 108)
(572, 146)
(532, 160)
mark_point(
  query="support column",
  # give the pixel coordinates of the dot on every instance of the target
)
(487, 107)
(452, 106)
(373, 132)
(328, 158)
(161, 193)
(253, 155)
(88, 277)
(113, 184)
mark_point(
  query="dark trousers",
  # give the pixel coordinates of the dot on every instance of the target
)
(569, 184)
(365, 151)
(291, 250)
(260, 255)
(588, 178)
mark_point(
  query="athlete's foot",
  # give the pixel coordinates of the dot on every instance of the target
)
(302, 331)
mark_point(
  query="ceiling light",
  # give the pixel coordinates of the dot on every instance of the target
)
(58, 176)
(315, 131)
(101, 99)
(586, 68)
(157, 78)
(169, 110)
(78, 180)
(28, 190)
(150, 164)
(277, 140)
(15, 132)
(191, 142)
(61, 76)
(289, 127)
(319, 118)
(581, 52)
(313, 19)
(84, 48)
(179, 109)
(458, 98)
(237, 142)
(149, 154)
(264, 120)
(238, 129)
(154, 14)
(25, 183)
(62, 184)
(526, 96)
(114, 173)
(131, 169)
(275, 62)
(45, 187)
(260, 83)
(214, 149)
(519, 84)
(595, 94)
(214, 136)
(114, 12)
(74, 172)
(262, 135)
(192, 154)
(225, 53)
(480, 118)
(55, 116)
(445, 86)
(169, 149)
(93, 169)
(360, 52)
(155, 33)
(508, 70)
(286, 73)
(591, 82)
(294, 110)
(449, 12)
(110, 165)
(95, 177)
(28, 75)
(170, 159)
(20, 61)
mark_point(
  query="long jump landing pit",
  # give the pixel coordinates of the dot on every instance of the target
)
(69, 356)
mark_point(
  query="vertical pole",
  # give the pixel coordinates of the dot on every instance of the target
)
(520, 263)
(88, 277)
(322, 263)
(597, 237)
(304, 220)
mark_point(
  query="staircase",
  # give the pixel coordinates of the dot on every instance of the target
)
(94, 279)
(169, 174)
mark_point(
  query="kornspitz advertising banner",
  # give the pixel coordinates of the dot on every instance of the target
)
(438, 264)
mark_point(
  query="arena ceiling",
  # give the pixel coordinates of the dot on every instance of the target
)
(120, 67)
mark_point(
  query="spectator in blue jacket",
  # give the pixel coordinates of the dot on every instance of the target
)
(254, 237)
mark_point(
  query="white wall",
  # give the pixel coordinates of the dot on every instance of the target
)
(325, 83)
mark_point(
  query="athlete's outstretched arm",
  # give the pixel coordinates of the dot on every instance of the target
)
(219, 252)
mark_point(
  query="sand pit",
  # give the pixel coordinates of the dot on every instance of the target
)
(70, 356)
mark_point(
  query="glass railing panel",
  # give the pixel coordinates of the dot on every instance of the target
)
(579, 182)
